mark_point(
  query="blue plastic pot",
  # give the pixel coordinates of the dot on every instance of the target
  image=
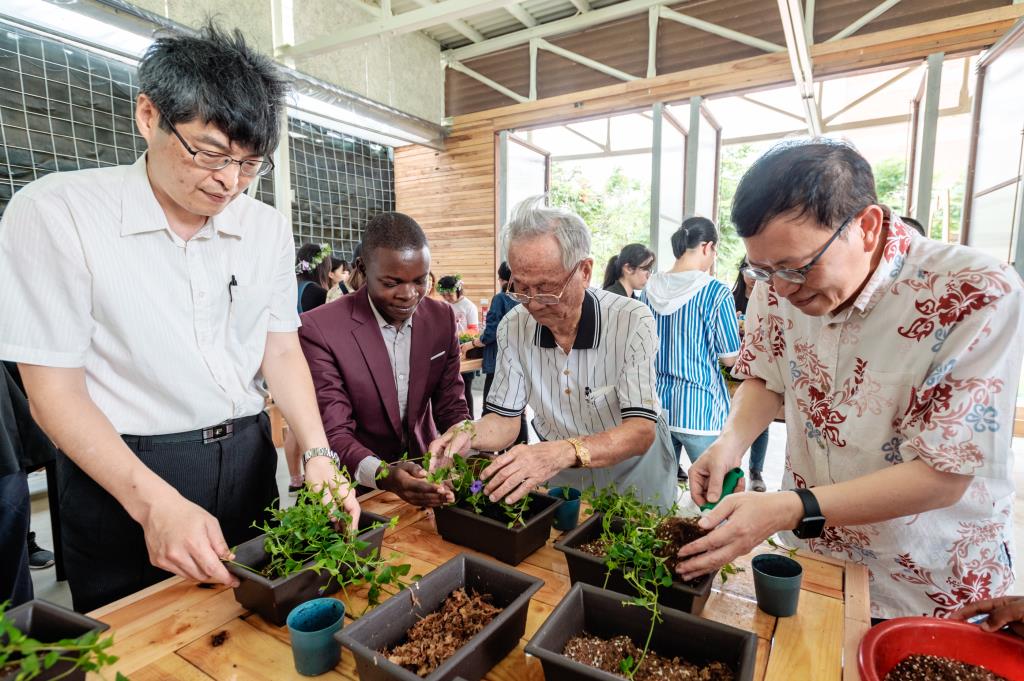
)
(312, 626)
(567, 516)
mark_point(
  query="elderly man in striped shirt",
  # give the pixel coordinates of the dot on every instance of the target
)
(583, 359)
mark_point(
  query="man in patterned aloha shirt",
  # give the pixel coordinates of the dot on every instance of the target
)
(898, 358)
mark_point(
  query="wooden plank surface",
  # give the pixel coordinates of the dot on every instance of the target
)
(167, 631)
(809, 645)
(170, 668)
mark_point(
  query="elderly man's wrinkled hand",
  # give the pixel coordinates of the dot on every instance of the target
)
(741, 522)
(443, 449)
(515, 473)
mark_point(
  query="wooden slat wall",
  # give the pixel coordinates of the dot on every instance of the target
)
(452, 195)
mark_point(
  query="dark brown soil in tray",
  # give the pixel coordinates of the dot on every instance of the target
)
(608, 654)
(440, 634)
(934, 668)
(676, 531)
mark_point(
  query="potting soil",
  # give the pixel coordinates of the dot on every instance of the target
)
(934, 668)
(440, 634)
(608, 654)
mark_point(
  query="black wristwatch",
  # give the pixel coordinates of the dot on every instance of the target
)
(813, 522)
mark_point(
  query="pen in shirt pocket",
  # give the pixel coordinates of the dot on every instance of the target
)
(233, 282)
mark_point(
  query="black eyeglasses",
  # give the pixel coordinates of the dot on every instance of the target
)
(799, 274)
(212, 160)
(544, 298)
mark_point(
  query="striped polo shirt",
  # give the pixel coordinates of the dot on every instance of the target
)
(694, 335)
(607, 376)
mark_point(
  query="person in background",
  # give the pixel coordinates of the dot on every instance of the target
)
(432, 291)
(340, 273)
(627, 272)
(741, 291)
(153, 393)
(313, 275)
(583, 360)
(386, 364)
(356, 278)
(467, 320)
(897, 359)
(501, 304)
(697, 329)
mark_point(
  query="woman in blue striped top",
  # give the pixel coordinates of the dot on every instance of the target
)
(697, 329)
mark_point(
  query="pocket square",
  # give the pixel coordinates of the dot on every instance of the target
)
(436, 356)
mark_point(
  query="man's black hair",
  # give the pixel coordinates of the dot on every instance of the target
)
(826, 179)
(912, 222)
(394, 231)
(217, 78)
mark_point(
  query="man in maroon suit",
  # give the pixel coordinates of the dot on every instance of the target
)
(385, 364)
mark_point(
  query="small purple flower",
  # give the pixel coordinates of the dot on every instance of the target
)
(476, 487)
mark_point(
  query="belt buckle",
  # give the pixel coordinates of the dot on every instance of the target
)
(221, 431)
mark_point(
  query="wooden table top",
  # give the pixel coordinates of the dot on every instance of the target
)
(166, 632)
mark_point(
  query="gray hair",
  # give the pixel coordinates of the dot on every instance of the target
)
(531, 218)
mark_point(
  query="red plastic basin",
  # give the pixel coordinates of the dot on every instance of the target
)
(885, 645)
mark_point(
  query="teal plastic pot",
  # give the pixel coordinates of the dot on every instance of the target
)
(777, 583)
(567, 516)
(312, 626)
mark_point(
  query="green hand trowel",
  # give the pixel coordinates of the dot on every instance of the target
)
(690, 507)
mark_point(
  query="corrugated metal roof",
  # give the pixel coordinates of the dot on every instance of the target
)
(622, 44)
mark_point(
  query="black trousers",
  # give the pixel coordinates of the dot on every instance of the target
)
(523, 437)
(104, 548)
(15, 511)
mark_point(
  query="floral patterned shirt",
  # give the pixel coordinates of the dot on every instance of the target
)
(924, 364)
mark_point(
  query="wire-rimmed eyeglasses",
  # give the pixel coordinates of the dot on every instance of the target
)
(544, 298)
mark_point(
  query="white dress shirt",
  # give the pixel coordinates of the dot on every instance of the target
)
(94, 277)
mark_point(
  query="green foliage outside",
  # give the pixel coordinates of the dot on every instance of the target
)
(619, 212)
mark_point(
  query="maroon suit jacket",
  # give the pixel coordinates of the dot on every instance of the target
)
(355, 384)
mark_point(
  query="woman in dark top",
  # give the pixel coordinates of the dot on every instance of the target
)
(628, 271)
(313, 272)
(500, 306)
(741, 291)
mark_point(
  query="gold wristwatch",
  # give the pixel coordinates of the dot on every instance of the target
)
(582, 453)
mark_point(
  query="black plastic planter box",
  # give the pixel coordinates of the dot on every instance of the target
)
(601, 612)
(589, 569)
(273, 599)
(494, 537)
(47, 622)
(387, 624)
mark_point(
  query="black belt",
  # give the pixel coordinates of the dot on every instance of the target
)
(221, 431)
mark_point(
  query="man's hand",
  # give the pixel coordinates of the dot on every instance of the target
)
(322, 475)
(1008, 610)
(184, 539)
(708, 472)
(512, 475)
(408, 480)
(752, 518)
(455, 441)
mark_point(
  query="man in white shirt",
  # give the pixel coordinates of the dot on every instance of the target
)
(583, 360)
(144, 359)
